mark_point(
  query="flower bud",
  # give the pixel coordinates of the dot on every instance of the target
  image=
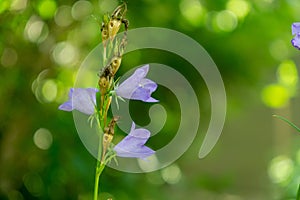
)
(111, 126)
(107, 138)
(104, 34)
(103, 84)
(104, 28)
(115, 64)
(108, 135)
(113, 27)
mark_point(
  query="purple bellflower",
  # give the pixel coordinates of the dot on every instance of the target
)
(137, 87)
(133, 145)
(81, 99)
(296, 31)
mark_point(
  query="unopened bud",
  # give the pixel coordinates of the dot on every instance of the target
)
(115, 64)
(103, 84)
(104, 32)
(107, 138)
(113, 27)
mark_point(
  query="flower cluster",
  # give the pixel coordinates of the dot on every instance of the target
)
(296, 32)
(136, 87)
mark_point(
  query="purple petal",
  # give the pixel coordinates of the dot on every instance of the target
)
(137, 87)
(296, 41)
(133, 144)
(67, 106)
(147, 83)
(81, 99)
(143, 94)
(138, 75)
(296, 28)
(151, 100)
(128, 86)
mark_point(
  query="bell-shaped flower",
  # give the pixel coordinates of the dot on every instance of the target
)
(133, 145)
(81, 99)
(137, 87)
(296, 32)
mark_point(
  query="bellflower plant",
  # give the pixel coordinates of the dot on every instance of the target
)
(296, 32)
(136, 87)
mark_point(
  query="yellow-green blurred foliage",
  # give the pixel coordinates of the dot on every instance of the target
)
(42, 44)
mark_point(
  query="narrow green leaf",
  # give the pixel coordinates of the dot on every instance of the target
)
(287, 121)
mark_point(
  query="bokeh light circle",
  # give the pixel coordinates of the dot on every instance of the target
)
(43, 139)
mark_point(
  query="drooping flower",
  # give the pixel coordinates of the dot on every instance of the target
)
(133, 145)
(81, 99)
(137, 87)
(296, 32)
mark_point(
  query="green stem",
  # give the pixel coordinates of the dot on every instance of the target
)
(100, 163)
(96, 185)
(287, 121)
(99, 169)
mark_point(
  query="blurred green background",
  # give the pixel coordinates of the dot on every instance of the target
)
(43, 42)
